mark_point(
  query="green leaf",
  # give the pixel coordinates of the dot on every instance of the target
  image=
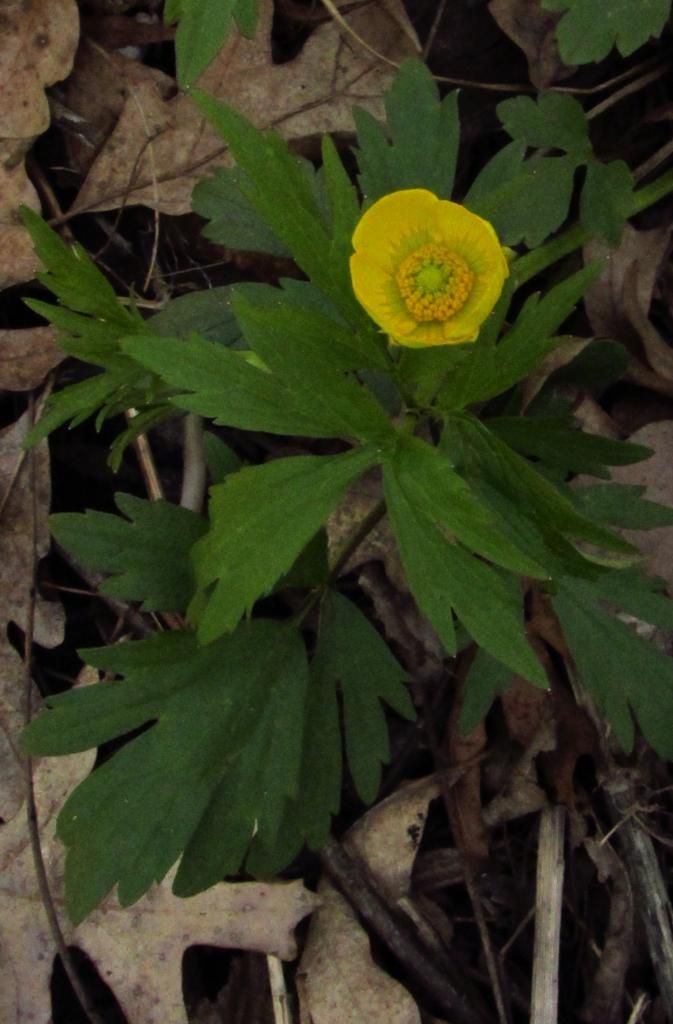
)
(233, 221)
(130, 820)
(635, 593)
(486, 456)
(147, 553)
(309, 354)
(350, 654)
(624, 673)
(606, 202)
(216, 382)
(207, 313)
(555, 121)
(202, 30)
(524, 200)
(424, 132)
(442, 576)
(261, 519)
(72, 275)
(486, 679)
(621, 505)
(597, 367)
(556, 443)
(491, 369)
(282, 192)
(220, 458)
(586, 35)
(432, 486)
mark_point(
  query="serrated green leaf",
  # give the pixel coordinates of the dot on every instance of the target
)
(556, 443)
(555, 121)
(309, 355)
(586, 35)
(486, 679)
(443, 576)
(203, 29)
(431, 485)
(597, 367)
(491, 369)
(130, 820)
(232, 220)
(351, 654)
(261, 519)
(606, 201)
(633, 592)
(621, 505)
(524, 200)
(487, 457)
(221, 460)
(424, 133)
(147, 552)
(282, 192)
(79, 401)
(222, 385)
(624, 673)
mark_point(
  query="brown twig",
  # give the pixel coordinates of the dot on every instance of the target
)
(460, 1006)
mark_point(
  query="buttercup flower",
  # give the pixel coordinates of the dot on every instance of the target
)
(426, 270)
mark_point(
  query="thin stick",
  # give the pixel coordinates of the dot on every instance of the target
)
(548, 908)
(461, 1007)
(281, 1008)
(69, 966)
(193, 463)
(145, 459)
(649, 888)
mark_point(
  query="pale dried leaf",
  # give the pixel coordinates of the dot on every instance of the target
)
(534, 31)
(27, 356)
(639, 251)
(339, 981)
(160, 148)
(37, 45)
(654, 474)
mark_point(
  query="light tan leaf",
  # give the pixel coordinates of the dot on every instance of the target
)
(339, 981)
(534, 31)
(654, 474)
(27, 356)
(160, 148)
(38, 39)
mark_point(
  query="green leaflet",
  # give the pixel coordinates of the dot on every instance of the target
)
(625, 674)
(147, 553)
(233, 220)
(586, 35)
(553, 440)
(283, 193)
(202, 30)
(524, 199)
(207, 313)
(424, 135)
(554, 121)
(261, 519)
(491, 369)
(486, 679)
(130, 820)
(621, 505)
(443, 576)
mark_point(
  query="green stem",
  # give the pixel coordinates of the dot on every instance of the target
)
(575, 237)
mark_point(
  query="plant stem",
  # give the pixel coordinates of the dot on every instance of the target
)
(575, 237)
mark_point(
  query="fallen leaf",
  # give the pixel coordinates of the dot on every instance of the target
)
(160, 148)
(533, 30)
(339, 982)
(27, 356)
(38, 39)
(642, 251)
(654, 474)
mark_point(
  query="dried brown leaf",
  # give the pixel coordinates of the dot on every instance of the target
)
(37, 45)
(27, 356)
(339, 981)
(160, 148)
(534, 31)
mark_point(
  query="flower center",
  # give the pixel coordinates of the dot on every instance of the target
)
(434, 282)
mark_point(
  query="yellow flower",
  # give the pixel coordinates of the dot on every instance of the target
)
(426, 270)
